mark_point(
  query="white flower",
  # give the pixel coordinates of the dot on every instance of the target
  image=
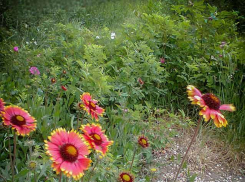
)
(35, 42)
(113, 35)
(97, 37)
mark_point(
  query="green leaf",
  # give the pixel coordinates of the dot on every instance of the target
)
(185, 165)
(43, 170)
(21, 173)
(72, 119)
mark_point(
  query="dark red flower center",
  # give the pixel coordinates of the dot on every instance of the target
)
(69, 152)
(18, 120)
(211, 101)
(125, 177)
(92, 106)
(97, 138)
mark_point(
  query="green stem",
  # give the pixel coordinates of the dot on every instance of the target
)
(3, 178)
(133, 159)
(78, 120)
(90, 175)
(11, 161)
(35, 175)
(46, 97)
(28, 176)
(14, 154)
(60, 177)
(192, 140)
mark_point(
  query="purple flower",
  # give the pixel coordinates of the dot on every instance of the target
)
(223, 43)
(125, 110)
(34, 71)
(162, 60)
(16, 49)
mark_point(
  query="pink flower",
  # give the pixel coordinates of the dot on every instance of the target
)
(68, 152)
(91, 106)
(162, 60)
(19, 119)
(34, 71)
(210, 105)
(96, 138)
(16, 49)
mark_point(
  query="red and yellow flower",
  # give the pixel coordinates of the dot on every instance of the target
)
(19, 119)
(126, 177)
(53, 80)
(2, 105)
(210, 104)
(95, 136)
(68, 153)
(90, 105)
(143, 141)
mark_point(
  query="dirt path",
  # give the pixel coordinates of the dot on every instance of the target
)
(208, 160)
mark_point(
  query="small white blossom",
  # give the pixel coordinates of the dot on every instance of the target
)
(113, 35)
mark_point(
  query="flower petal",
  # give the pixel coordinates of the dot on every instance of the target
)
(227, 107)
(205, 112)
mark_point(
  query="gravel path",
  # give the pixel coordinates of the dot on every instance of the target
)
(206, 160)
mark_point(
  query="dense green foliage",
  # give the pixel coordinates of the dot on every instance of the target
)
(232, 5)
(199, 44)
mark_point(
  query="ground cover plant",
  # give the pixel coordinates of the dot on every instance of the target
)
(85, 87)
